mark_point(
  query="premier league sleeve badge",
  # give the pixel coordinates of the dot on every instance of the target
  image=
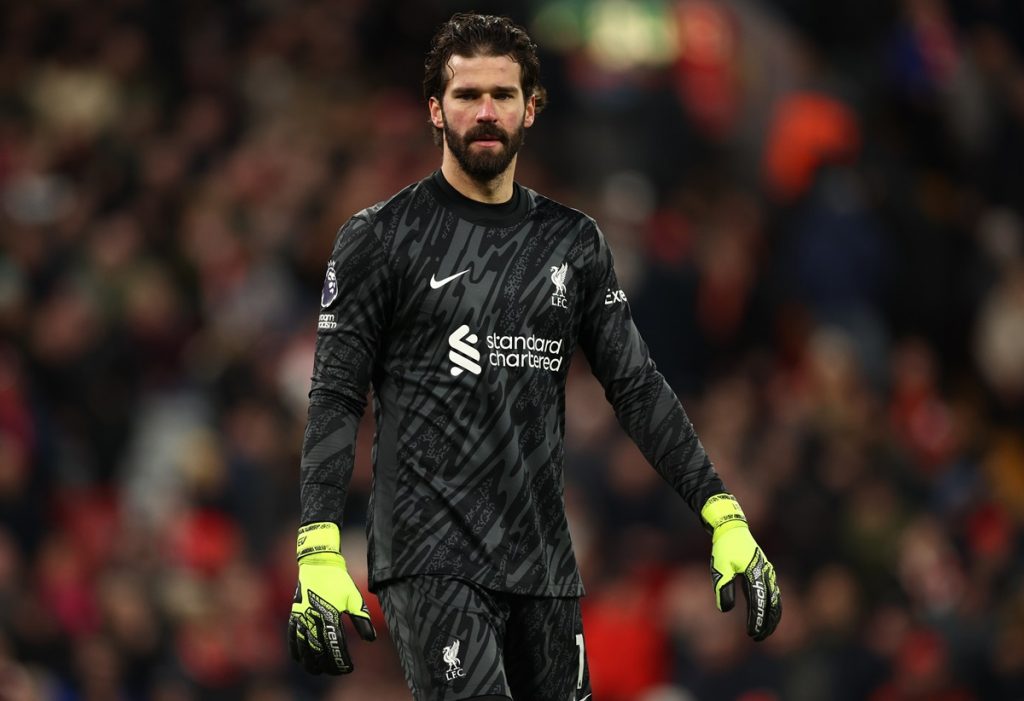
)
(330, 291)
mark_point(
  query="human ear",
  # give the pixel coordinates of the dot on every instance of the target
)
(436, 113)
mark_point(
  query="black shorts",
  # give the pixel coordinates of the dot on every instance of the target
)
(457, 640)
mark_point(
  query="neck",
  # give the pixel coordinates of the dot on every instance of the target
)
(494, 191)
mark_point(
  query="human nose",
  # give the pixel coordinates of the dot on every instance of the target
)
(486, 113)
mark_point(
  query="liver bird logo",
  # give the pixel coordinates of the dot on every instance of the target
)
(451, 656)
(558, 277)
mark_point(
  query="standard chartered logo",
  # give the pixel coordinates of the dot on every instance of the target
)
(524, 352)
(463, 355)
(503, 352)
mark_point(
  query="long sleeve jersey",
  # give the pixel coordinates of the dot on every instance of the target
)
(464, 317)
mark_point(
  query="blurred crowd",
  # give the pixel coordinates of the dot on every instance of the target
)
(817, 211)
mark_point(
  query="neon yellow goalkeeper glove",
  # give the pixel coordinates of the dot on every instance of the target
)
(734, 552)
(324, 592)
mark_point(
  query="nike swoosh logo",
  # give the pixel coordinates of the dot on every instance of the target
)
(437, 284)
(586, 697)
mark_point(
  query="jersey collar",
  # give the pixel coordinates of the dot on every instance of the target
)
(497, 215)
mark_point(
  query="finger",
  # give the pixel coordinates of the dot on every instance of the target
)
(756, 589)
(363, 626)
(333, 657)
(772, 619)
(305, 646)
(318, 660)
(306, 632)
(727, 595)
(755, 610)
(311, 660)
(293, 641)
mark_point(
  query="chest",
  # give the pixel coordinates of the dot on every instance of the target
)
(523, 281)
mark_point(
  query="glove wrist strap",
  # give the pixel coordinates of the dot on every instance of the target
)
(722, 512)
(318, 538)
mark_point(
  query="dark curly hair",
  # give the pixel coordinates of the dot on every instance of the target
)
(469, 34)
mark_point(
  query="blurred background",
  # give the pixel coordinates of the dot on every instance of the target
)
(816, 211)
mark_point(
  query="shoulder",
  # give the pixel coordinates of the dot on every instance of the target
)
(589, 241)
(395, 207)
(548, 208)
(378, 224)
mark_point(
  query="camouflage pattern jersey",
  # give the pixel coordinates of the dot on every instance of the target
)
(463, 317)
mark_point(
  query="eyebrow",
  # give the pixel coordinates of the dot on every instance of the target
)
(470, 89)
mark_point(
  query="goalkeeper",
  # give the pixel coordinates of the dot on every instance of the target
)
(461, 301)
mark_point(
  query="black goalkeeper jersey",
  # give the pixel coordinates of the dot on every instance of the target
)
(464, 318)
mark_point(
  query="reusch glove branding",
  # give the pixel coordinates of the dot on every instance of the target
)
(734, 552)
(325, 590)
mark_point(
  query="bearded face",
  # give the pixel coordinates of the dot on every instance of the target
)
(483, 115)
(480, 163)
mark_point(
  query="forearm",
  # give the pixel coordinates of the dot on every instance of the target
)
(328, 458)
(646, 407)
(651, 414)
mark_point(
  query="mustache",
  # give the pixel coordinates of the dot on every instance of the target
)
(486, 132)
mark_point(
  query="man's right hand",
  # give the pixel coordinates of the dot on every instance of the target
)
(324, 592)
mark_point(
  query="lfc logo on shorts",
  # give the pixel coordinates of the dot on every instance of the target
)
(451, 657)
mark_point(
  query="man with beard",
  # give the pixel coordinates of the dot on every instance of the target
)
(461, 301)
